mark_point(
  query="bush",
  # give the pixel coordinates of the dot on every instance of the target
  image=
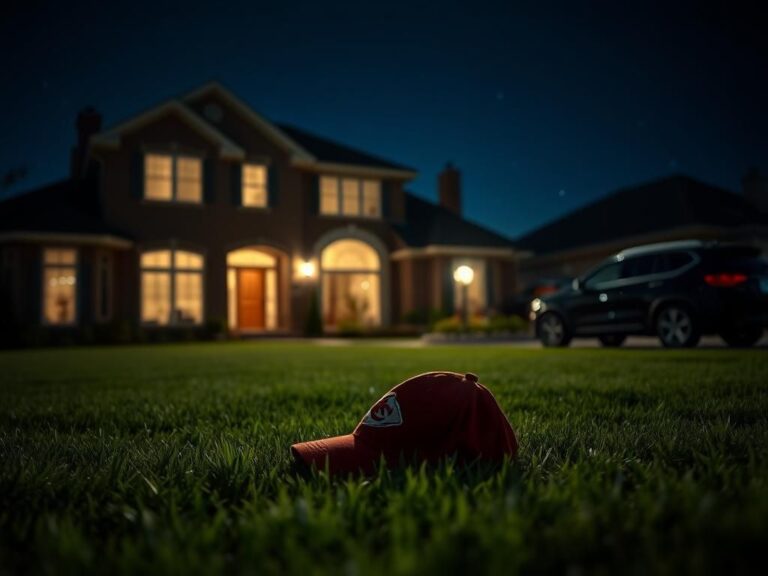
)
(314, 322)
(216, 329)
(350, 327)
(425, 317)
(480, 325)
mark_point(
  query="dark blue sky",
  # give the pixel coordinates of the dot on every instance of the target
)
(542, 108)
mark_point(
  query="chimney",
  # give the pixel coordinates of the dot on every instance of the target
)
(449, 188)
(88, 123)
(755, 186)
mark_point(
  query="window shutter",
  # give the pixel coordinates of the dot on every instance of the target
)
(209, 181)
(314, 195)
(490, 267)
(83, 285)
(447, 287)
(137, 176)
(37, 293)
(273, 186)
(237, 184)
(386, 197)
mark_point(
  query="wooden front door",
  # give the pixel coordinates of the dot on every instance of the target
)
(250, 299)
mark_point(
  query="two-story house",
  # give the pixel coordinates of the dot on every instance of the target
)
(201, 211)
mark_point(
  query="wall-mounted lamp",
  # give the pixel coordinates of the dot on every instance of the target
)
(307, 269)
(304, 271)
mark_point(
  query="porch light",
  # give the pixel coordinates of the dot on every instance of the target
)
(307, 269)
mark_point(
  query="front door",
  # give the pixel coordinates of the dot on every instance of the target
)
(250, 299)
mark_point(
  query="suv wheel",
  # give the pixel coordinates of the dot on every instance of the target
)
(612, 340)
(676, 327)
(552, 331)
(742, 337)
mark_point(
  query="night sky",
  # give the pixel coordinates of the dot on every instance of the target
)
(543, 109)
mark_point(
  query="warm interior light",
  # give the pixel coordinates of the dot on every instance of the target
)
(307, 269)
(464, 275)
(725, 280)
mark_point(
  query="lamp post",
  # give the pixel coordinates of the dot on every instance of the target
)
(463, 275)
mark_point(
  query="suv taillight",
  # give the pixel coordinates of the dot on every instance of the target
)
(725, 280)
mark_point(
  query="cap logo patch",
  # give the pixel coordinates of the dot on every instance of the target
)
(386, 412)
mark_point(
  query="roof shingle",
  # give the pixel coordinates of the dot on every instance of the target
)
(326, 150)
(431, 224)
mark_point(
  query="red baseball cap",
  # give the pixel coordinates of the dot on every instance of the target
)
(428, 417)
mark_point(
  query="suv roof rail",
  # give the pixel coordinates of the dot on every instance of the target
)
(662, 246)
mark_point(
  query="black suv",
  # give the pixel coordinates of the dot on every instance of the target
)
(677, 291)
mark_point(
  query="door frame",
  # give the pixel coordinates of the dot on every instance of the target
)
(239, 270)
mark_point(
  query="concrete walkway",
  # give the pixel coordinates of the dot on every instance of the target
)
(633, 342)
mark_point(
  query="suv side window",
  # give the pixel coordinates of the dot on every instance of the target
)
(671, 261)
(639, 266)
(607, 273)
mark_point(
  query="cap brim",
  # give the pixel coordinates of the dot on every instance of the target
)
(343, 454)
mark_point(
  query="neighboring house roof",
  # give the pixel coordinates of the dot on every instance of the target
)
(677, 201)
(64, 207)
(328, 151)
(429, 224)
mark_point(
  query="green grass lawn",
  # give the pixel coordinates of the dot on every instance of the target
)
(175, 459)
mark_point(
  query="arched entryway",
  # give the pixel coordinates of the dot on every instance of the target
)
(351, 276)
(253, 289)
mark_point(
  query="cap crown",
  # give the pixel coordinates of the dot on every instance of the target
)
(438, 414)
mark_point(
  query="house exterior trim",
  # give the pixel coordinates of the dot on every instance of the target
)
(263, 125)
(112, 138)
(354, 170)
(440, 250)
(103, 240)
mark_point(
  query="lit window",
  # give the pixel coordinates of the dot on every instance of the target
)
(350, 197)
(59, 286)
(171, 287)
(351, 288)
(170, 178)
(329, 195)
(350, 190)
(158, 184)
(254, 185)
(371, 198)
(189, 179)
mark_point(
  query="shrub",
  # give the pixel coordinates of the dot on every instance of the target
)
(480, 324)
(314, 323)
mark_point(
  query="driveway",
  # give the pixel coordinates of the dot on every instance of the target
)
(633, 342)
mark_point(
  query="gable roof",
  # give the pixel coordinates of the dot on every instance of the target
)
(306, 149)
(429, 224)
(673, 202)
(256, 120)
(328, 151)
(227, 148)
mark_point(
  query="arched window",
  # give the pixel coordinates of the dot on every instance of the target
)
(171, 287)
(351, 277)
(252, 289)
